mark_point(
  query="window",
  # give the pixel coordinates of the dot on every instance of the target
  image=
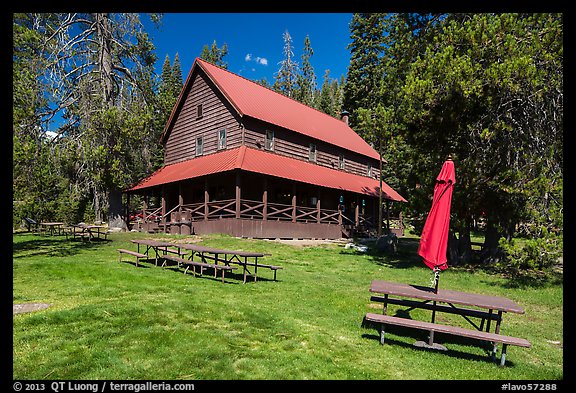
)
(199, 111)
(312, 152)
(369, 169)
(341, 161)
(222, 139)
(269, 143)
(199, 146)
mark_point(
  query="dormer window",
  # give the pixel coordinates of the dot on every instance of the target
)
(312, 152)
(341, 161)
(269, 142)
(199, 111)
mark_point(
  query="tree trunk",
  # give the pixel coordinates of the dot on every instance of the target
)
(464, 246)
(490, 252)
(97, 206)
(116, 218)
(104, 34)
(452, 248)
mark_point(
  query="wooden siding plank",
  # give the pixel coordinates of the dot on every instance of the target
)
(296, 146)
(217, 114)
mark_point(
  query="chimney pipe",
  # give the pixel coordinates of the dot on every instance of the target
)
(344, 115)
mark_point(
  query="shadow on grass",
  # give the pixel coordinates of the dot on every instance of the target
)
(51, 246)
(133, 263)
(405, 257)
(235, 277)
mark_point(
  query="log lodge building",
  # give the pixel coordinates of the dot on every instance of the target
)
(244, 160)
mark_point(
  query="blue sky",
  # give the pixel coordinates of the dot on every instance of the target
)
(255, 43)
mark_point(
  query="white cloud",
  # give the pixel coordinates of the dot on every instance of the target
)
(259, 60)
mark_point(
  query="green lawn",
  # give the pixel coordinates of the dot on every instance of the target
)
(112, 320)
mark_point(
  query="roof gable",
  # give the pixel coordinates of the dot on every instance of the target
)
(253, 100)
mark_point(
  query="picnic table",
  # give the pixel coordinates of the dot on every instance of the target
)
(246, 259)
(85, 231)
(51, 227)
(485, 308)
(160, 248)
(209, 257)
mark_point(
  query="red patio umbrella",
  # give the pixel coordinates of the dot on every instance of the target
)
(434, 239)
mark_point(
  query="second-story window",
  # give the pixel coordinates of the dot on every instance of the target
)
(312, 152)
(269, 142)
(199, 111)
(222, 139)
(341, 161)
(199, 146)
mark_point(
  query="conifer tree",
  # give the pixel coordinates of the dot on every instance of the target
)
(176, 76)
(286, 76)
(365, 69)
(215, 55)
(306, 79)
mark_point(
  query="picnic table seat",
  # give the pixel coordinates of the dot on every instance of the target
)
(274, 268)
(383, 319)
(134, 253)
(201, 265)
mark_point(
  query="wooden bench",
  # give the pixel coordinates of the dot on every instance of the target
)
(134, 253)
(271, 267)
(201, 265)
(454, 330)
(464, 312)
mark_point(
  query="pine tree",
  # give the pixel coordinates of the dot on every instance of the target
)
(325, 99)
(176, 77)
(99, 80)
(306, 80)
(165, 76)
(285, 82)
(215, 55)
(365, 69)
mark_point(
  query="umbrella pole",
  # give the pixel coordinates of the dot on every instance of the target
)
(436, 279)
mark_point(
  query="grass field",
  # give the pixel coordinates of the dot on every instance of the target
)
(113, 320)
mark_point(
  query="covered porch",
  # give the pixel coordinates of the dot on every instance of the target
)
(254, 205)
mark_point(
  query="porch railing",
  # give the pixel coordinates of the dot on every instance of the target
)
(258, 210)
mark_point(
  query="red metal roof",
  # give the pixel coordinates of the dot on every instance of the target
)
(256, 101)
(263, 162)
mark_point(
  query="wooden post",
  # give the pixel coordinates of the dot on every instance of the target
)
(265, 200)
(144, 208)
(206, 199)
(238, 194)
(318, 215)
(180, 197)
(294, 203)
(357, 214)
(380, 192)
(163, 220)
(163, 202)
(388, 215)
(127, 211)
